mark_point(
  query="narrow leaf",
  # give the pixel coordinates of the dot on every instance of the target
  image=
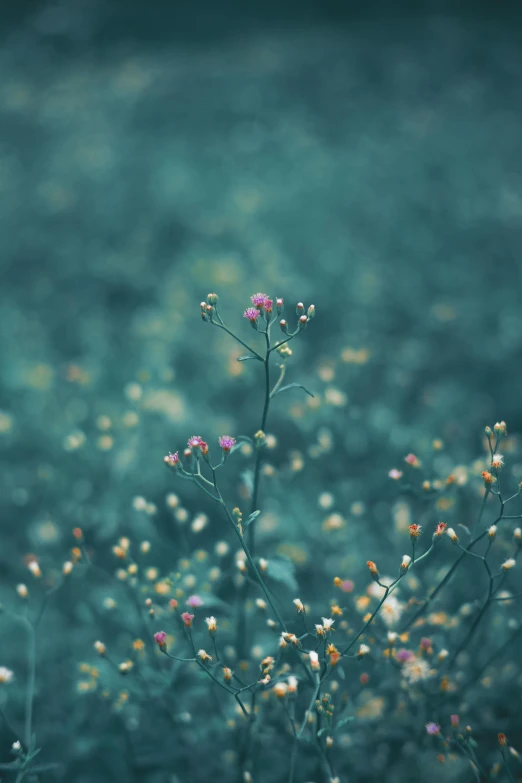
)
(253, 515)
(293, 386)
(246, 358)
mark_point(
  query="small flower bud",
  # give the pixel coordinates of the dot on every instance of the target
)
(212, 299)
(415, 530)
(517, 535)
(300, 308)
(314, 661)
(492, 531)
(34, 568)
(311, 312)
(373, 570)
(187, 619)
(451, 533)
(502, 740)
(303, 321)
(454, 720)
(263, 564)
(280, 689)
(489, 432)
(212, 625)
(22, 591)
(363, 650)
(284, 326)
(488, 478)
(406, 560)
(227, 674)
(261, 604)
(439, 530)
(67, 568)
(280, 303)
(292, 685)
(329, 742)
(509, 563)
(500, 429)
(161, 640)
(299, 605)
(100, 648)
(204, 656)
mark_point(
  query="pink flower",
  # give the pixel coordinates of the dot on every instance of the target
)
(187, 619)
(433, 728)
(172, 459)
(268, 306)
(226, 442)
(252, 314)
(425, 643)
(260, 300)
(454, 720)
(194, 601)
(194, 441)
(403, 655)
(411, 459)
(160, 638)
(347, 586)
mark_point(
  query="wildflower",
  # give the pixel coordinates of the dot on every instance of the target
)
(227, 674)
(100, 648)
(280, 689)
(194, 601)
(172, 460)
(392, 636)
(259, 300)
(195, 441)
(395, 474)
(260, 603)
(454, 719)
(6, 675)
(22, 591)
(415, 530)
(327, 623)
(268, 306)
(292, 684)
(488, 477)
(509, 563)
(212, 299)
(187, 619)
(439, 530)
(363, 650)
(500, 428)
(252, 314)
(412, 460)
(300, 308)
(373, 569)
(517, 535)
(406, 560)
(403, 655)
(451, 533)
(125, 667)
(492, 531)
(299, 605)
(415, 670)
(161, 639)
(67, 568)
(204, 656)
(432, 728)
(314, 660)
(502, 740)
(497, 461)
(425, 644)
(443, 654)
(226, 442)
(211, 624)
(392, 610)
(303, 321)
(138, 644)
(16, 747)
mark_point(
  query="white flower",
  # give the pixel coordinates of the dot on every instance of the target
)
(363, 650)
(299, 604)
(327, 623)
(497, 461)
(392, 636)
(16, 746)
(292, 684)
(406, 560)
(314, 660)
(280, 689)
(510, 563)
(211, 624)
(6, 675)
(391, 611)
(415, 670)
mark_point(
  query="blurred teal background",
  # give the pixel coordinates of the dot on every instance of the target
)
(366, 158)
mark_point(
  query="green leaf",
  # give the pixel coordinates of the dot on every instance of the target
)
(293, 386)
(253, 515)
(322, 731)
(246, 358)
(343, 721)
(282, 570)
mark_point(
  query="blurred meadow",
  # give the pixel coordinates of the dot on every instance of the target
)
(366, 160)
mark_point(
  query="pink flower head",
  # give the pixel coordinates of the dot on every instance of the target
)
(160, 638)
(425, 643)
(194, 601)
(268, 305)
(260, 300)
(187, 619)
(403, 655)
(252, 314)
(347, 586)
(411, 459)
(432, 728)
(172, 459)
(454, 720)
(194, 441)
(226, 442)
